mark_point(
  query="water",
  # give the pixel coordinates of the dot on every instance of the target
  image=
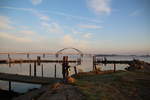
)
(48, 68)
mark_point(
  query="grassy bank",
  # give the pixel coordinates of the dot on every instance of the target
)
(121, 85)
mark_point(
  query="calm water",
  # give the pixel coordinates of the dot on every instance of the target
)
(23, 69)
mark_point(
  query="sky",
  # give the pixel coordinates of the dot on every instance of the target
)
(93, 26)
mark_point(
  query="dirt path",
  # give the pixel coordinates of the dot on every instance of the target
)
(56, 92)
(63, 92)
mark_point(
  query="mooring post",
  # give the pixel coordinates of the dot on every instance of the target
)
(93, 63)
(30, 70)
(9, 61)
(38, 60)
(114, 67)
(27, 55)
(42, 70)
(9, 85)
(65, 68)
(8, 55)
(43, 55)
(55, 71)
(75, 70)
(35, 69)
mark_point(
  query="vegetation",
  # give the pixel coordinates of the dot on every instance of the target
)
(121, 85)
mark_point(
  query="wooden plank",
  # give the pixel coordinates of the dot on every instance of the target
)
(33, 60)
(114, 62)
(27, 79)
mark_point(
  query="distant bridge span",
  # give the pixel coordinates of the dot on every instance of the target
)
(77, 50)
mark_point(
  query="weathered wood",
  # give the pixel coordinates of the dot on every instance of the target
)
(9, 85)
(75, 70)
(114, 67)
(34, 69)
(27, 55)
(65, 67)
(115, 62)
(33, 60)
(55, 71)
(94, 63)
(38, 60)
(27, 79)
(43, 55)
(42, 70)
(30, 70)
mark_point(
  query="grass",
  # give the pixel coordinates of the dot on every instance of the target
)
(121, 85)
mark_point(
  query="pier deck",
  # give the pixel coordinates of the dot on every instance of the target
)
(33, 60)
(27, 79)
(114, 62)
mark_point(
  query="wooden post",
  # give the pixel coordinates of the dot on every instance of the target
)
(43, 55)
(8, 55)
(30, 70)
(27, 55)
(9, 85)
(42, 70)
(75, 70)
(38, 60)
(93, 63)
(34, 69)
(65, 68)
(114, 67)
(9, 61)
(55, 71)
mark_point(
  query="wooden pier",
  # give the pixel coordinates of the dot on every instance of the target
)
(99, 60)
(28, 79)
(33, 60)
(114, 62)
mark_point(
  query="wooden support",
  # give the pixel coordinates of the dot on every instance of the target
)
(8, 55)
(65, 68)
(27, 55)
(114, 67)
(34, 69)
(30, 70)
(43, 55)
(55, 71)
(38, 60)
(9, 85)
(75, 70)
(93, 63)
(42, 70)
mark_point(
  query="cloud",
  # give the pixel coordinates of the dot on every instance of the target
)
(90, 26)
(69, 41)
(11, 37)
(99, 6)
(36, 2)
(33, 11)
(74, 16)
(52, 27)
(136, 13)
(75, 31)
(5, 23)
(41, 16)
(27, 32)
(87, 35)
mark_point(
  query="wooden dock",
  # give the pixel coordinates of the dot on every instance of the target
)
(33, 60)
(28, 79)
(114, 62)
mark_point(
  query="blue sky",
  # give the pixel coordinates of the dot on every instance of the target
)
(93, 26)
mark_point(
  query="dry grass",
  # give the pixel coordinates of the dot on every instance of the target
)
(114, 86)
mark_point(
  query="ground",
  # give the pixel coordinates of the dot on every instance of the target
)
(122, 85)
